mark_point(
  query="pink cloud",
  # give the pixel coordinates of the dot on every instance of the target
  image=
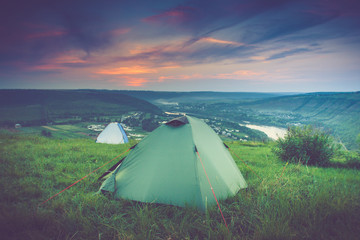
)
(119, 31)
(181, 77)
(70, 57)
(126, 70)
(160, 50)
(135, 82)
(169, 66)
(174, 16)
(129, 81)
(60, 62)
(241, 74)
(44, 31)
(219, 41)
(258, 58)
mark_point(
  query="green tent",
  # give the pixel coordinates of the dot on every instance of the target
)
(177, 164)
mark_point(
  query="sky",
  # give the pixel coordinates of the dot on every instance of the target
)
(178, 45)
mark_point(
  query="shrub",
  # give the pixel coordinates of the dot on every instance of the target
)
(46, 133)
(352, 160)
(306, 145)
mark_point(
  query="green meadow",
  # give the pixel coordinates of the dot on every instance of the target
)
(281, 202)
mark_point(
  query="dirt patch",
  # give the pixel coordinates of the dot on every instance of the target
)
(50, 128)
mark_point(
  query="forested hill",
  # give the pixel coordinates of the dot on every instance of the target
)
(186, 97)
(41, 106)
(323, 104)
(340, 112)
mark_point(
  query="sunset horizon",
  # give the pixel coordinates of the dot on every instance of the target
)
(229, 46)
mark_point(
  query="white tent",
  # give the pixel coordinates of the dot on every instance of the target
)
(113, 134)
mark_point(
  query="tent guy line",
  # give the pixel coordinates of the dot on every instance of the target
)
(84, 177)
(114, 166)
(212, 189)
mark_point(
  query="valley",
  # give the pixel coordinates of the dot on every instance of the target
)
(233, 116)
(48, 144)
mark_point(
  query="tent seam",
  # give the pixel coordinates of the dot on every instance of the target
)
(196, 163)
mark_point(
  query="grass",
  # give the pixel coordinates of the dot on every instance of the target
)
(63, 131)
(295, 202)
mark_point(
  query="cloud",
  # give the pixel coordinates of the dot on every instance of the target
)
(180, 53)
(139, 82)
(129, 81)
(64, 61)
(246, 25)
(219, 41)
(288, 53)
(38, 30)
(175, 16)
(119, 31)
(126, 70)
(152, 40)
(239, 75)
(205, 17)
(47, 67)
(54, 28)
(70, 58)
(182, 77)
(135, 82)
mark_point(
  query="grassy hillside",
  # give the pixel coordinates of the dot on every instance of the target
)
(41, 106)
(337, 112)
(161, 98)
(295, 202)
(324, 104)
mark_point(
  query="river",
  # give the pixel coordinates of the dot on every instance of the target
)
(271, 132)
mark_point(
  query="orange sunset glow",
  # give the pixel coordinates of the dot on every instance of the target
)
(182, 46)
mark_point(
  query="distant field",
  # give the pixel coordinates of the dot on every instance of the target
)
(39, 107)
(292, 202)
(60, 131)
(73, 131)
(21, 113)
